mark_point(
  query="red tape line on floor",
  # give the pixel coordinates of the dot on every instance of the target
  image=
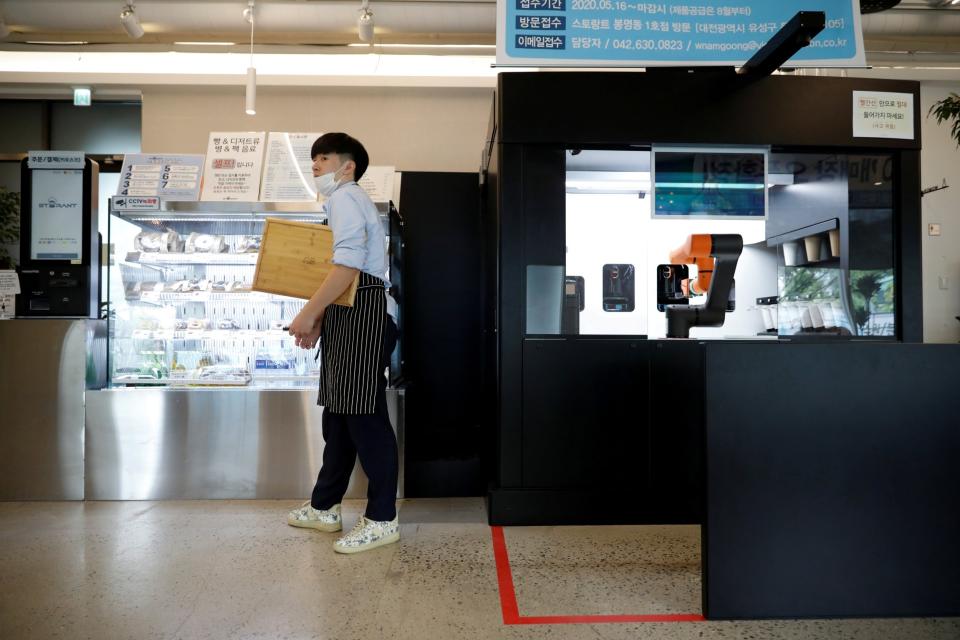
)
(511, 611)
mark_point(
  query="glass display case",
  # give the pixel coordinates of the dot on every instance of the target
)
(182, 312)
(832, 219)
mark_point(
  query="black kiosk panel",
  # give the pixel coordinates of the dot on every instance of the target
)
(59, 242)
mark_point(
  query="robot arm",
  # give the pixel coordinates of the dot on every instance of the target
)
(696, 251)
(715, 256)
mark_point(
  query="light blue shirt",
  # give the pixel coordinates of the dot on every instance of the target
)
(359, 241)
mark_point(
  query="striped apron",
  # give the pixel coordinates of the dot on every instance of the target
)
(351, 341)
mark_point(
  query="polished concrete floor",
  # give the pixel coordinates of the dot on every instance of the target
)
(234, 569)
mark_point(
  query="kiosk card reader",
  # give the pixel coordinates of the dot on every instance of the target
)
(59, 243)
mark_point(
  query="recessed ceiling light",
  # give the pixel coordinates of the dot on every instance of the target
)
(58, 42)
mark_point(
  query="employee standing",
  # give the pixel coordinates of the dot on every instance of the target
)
(356, 343)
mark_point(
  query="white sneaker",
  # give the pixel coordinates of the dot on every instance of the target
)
(368, 534)
(310, 518)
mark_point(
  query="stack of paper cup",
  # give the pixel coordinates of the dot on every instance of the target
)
(767, 316)
(812, 245)
(791, 253)
(815, 318)
(806, 322)
(835, 243)
(826, 312)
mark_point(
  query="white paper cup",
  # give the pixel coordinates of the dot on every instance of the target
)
(839, 316)
(791, 253)
(826, 312)
(815, 316)
(812, 245)
(767, 316)
(806, 322)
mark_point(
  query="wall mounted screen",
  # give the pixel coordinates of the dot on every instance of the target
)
(709, 183)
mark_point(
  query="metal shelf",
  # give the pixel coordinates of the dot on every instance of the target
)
(255, 380)
(204, 334)
(308, 210)
(160, 297)
(803, 232)
(178, 259)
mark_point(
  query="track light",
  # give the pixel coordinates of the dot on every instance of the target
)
(251, 91)
(130, 21)
(365, 23)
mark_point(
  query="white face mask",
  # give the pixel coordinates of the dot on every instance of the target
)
(327, 183)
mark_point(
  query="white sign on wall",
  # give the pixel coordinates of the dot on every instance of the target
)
(378, 183)
(880, 114)
(233, 167)
(55, 160)
(288, 175)
(172, 177)
(9, 282)
(9, 287)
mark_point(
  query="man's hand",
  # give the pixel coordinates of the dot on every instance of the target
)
(305, 329)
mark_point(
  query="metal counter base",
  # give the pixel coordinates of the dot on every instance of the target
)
(183, 444)
(45, 365)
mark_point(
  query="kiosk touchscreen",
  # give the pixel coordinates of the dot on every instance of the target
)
(59, 243)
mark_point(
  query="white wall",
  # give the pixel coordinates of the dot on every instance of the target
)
(939, 159)
(610, 229)
(413, 129)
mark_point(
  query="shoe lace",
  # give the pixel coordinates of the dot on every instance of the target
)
(357, 528)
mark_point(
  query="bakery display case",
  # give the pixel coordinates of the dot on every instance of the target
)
(208, 396)
(181, 308)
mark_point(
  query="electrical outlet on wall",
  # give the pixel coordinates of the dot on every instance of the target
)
(944, 282)
(933, 228)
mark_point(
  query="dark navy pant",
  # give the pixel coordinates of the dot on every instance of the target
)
(369, 437)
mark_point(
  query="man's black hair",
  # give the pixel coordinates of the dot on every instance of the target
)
(342, 145)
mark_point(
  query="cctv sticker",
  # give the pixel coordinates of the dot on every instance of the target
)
(135, 203)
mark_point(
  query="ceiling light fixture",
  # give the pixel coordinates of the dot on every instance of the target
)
(204, 44)
(365, 22)
(406, 45)
(58, 43)
(251, 101)
(130, 21)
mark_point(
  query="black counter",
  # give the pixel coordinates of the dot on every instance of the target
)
(832, 480)
(826, 476)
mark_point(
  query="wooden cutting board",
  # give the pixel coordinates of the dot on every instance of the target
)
(294, 259)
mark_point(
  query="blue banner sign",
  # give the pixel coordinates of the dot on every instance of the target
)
(677, 33)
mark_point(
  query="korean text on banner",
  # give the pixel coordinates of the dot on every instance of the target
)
(675, 33)
(288, 175)
(233, 166)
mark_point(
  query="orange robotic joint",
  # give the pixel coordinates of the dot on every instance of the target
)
(696, 251)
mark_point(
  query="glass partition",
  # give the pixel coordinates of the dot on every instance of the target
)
(832, 218)
(606, 285)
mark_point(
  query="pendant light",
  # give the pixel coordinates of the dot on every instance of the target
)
(251, 101)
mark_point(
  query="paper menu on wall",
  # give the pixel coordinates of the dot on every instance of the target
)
(233, 166)
(171, 177)
(288, 174)
(378, 183)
